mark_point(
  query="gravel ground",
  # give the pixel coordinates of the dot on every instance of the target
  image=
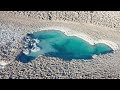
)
(91, 23)
(9, 44)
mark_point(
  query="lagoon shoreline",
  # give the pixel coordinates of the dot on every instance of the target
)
(73, 69)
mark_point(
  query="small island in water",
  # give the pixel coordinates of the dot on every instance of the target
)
(55, 43)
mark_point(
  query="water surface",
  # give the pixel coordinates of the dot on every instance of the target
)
(54, 43)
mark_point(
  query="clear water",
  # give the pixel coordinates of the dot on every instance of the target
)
(54, 43)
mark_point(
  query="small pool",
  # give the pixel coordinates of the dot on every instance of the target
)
(54, 43)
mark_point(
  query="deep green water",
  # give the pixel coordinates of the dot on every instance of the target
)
(54, 43)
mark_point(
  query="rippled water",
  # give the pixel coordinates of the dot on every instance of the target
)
(55, 43)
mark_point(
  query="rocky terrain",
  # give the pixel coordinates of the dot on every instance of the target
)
(104, 18)
(17, 24)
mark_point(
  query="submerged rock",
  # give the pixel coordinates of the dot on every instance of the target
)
(29, 45)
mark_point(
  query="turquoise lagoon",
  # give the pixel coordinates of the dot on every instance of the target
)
(54, 43)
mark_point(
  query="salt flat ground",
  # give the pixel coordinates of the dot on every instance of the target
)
(103, 66)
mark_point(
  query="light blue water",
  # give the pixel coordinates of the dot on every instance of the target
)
(55, 43)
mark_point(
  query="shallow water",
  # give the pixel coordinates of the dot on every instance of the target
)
(55, 43)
